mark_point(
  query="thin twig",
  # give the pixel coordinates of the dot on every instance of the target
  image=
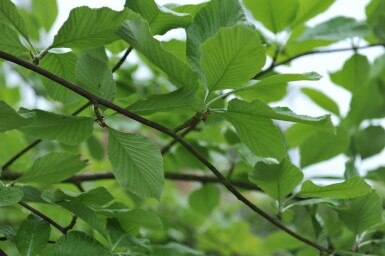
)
(166, 148)
(71, 225)
(122, 59)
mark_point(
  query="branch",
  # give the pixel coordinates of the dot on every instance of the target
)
(122, 59)
(95, 99)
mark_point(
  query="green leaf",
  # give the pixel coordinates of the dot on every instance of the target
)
(8, 232)
(322, 100)
(95, 148)
(181, 99)
(66, 129)
(32, 236)
(369, 141)
(93, 75)
(10, 42)
(137, 34)
(9, 118)
(11, 17)
(323, 145)
(378, 174)
(277, 180)
(205, 199)
(336, 29)
(214, 15)
(310, 8)
(161, 19)
(361, 213)
(62, 65)
(137, 163)
(89, 28)
(354, 74)
(298, 133)
(50, 10)
(176, 47)
(175, 249)
(53, 168)
(275, 15)
(232, 57)
(94, 197)
(10, 195)
(78, 243)
(350, 188)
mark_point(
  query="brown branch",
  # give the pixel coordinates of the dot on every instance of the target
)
(161, 128)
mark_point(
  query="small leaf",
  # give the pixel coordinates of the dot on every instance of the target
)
(10, 195)
(369, 141)
(10, 42)
(52, 168)
(309, 9)
(298, 133)
(9, 118)
(350, 188)
(137, 34)
(95, 197)
(181, 99)
(336, 29)
(50, 10)
(66, 129)
(322, 100)
(95, 148)
(89, 28)
(137, 163)
(277, 180)
(361, 213)
(175, 249)
(78, 243)
(11, 17)
(205, 199)
(275, 15)
(32, 235)
(94, 76)
(232, 57)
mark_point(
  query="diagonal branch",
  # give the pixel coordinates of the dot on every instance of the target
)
(95, 99)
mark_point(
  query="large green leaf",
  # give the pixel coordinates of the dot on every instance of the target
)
(11, 17)
(137, 163)
(310, 8)
(161, 19)
(93, 75)
(322, 100)
(52, 168)
(275, 15)
(350, 188)
(10, 42)
(369, 141)
(9, 118)
(137, 34)
(10, 195)
(213, 16)
(32, 236)
(62, 65)
(298, 133)
(205, 199)
(277, 180)
(181, 99)
(78, 243)
(232, 57)
(361, 213)
(66, 129)
(89, 28)
(336, 29)
(354, 74)
(323, 145)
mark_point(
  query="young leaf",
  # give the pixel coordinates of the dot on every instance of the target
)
(231, 57)
(137, 163)
(9, 118)
(213, 16)
(32, 236)
(361, 213)
(310, 8)
(275, 15)
(10, 42)
(137, 34)
(336, 29)
(66, 129)
(322, 100)
(78, 243)
(350, 188)
(50, 10)
(181, 99)
(277, 180)
(369, 141)
(10, 195)
(161, 19)
(205, 199)
(93, 75)
(89, 28)
(62, 65)
(52, 168)
(11, 17)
